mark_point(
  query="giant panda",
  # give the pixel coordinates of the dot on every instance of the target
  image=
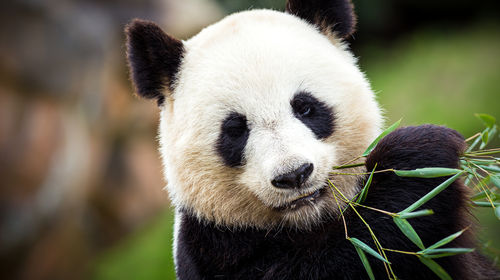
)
(255, 111)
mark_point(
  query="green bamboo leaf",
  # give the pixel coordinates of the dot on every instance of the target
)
(483, 162)
(483, 153)
(485, 203)
(491, 168)
(364, 192)
(448, 251)
(382, 135)
(437, 256)
(425, 212)
(484, 139)
(495, 180)
(436, 268)
(348, 166)
(485, 194)
(493, 131)
(468, 180)
(480, 195)
(497, 212)
(484, 181)
(471, 171)
(432, 193)
(428, 172)
(488, 120)
(358, 243)
(408, 231)
(477, 175)
(365, 262)
(478, 139)
(444, 241)
(487, 136)
(442, 255)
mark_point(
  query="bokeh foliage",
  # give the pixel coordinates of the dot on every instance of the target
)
(145, 255)
(438, 76)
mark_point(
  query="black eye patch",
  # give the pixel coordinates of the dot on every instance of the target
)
(233, 139)
(316, 115)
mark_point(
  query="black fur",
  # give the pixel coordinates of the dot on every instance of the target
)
(233, 139)
(335, 15)
(205, 251)
(154, 58)
(316, 115)
(294, 179)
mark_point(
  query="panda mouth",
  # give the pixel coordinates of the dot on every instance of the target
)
(303, 200)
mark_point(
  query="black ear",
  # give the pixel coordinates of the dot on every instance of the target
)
(335, 16)
(153, 57)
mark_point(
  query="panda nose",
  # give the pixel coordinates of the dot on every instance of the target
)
(293, 179)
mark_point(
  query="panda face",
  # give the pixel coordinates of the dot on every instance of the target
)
(263, 106)
(233, 137)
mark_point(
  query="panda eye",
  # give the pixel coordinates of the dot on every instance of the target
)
(302, 108)
(235, 126)
(232, 139)
(313, 113)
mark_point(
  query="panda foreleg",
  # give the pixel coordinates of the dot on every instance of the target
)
(419, 147)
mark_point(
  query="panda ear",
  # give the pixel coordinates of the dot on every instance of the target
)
(153, 57)
(332, 16)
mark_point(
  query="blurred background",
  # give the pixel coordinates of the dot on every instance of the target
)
(81, 195)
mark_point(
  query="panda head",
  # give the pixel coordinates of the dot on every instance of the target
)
(255, 111)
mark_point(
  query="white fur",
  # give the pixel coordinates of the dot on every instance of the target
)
(177, 227)
(254, 63)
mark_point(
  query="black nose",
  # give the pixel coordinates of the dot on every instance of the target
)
(293, 179)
